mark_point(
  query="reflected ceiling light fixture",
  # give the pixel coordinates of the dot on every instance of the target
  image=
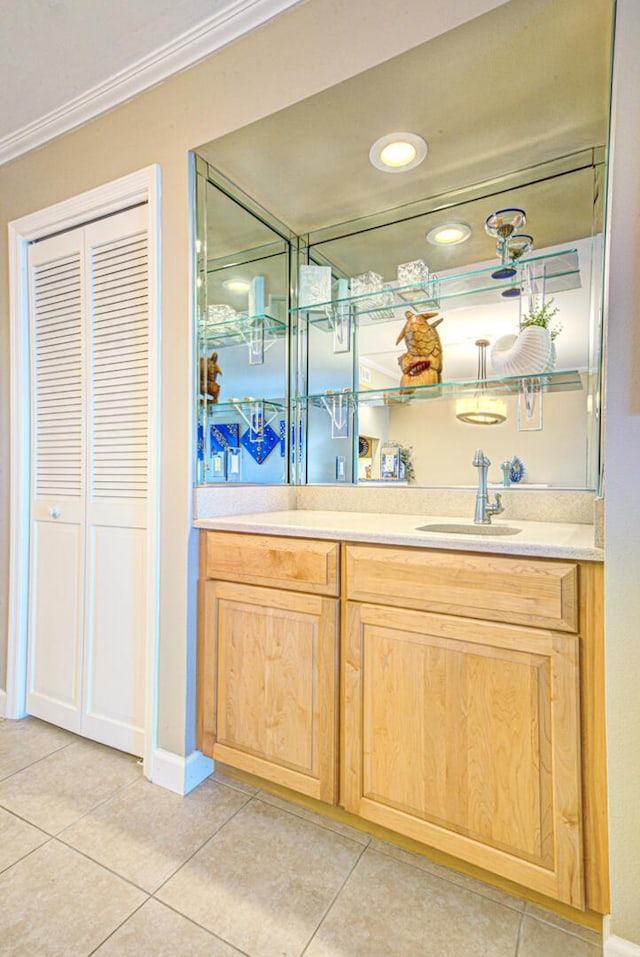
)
(236, 285)
(398, 152)
(481, 408)
(449, 234)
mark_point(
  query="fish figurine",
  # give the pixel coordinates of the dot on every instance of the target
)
(421, 364)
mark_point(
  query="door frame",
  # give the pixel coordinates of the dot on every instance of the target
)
(143, 186)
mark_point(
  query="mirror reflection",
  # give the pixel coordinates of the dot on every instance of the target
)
(402, 343)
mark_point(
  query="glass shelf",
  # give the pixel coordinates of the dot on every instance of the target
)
(229, 332)
(567, 380)
(559, 271)
(235, 405)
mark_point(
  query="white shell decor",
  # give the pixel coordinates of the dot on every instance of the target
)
(528, 353)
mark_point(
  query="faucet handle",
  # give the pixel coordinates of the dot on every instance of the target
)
(495, 508)
(480, 459)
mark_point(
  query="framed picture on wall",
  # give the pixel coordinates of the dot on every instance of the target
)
(390, 462)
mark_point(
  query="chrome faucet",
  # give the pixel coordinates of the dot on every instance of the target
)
(484, 509)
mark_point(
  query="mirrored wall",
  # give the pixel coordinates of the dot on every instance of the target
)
(361, 349)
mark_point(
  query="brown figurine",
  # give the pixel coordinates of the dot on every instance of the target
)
(209, 369)
(421, 364)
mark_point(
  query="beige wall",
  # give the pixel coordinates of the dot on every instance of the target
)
(315, 45)
(622, 487)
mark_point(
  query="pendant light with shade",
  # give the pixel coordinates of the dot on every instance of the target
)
(481, 408)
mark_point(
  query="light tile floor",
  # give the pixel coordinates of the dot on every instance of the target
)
(95, 860)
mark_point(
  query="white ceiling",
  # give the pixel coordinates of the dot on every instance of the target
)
(63, 62)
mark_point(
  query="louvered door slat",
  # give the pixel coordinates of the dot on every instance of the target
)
(119, 368)
(58, 376)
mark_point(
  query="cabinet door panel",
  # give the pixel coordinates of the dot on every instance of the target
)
(464, 735)
(274, 673)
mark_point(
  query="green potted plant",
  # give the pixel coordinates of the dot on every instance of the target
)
(544, 317)
(407, 470)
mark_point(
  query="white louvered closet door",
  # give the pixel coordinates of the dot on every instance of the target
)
(58, 452)
(117, 480)
(90, 439)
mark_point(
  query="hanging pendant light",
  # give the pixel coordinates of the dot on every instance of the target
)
(481, 408)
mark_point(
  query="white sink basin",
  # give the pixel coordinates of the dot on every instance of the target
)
(454, 528)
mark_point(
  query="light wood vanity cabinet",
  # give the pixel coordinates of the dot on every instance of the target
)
(267, 669)
(471, 697)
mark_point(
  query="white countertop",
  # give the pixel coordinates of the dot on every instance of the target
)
(545, 539)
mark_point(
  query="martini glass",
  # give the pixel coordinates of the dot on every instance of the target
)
(502, 225)
(519, 245)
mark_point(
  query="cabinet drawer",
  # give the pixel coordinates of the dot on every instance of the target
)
(526, 591)
(297, 564)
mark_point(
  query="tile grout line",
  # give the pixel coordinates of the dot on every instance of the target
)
(37, 761)
(518, 905)
(6, 869)
(565, 930)
(121, 924)
(144, 890)
(104, 867)
(333, 901)
(94, 807)
(319, 824)
(121, 787)
(223, 940)
(37, 827)
(199, 848)
(448, 880)
(251, 798)
(518, 934)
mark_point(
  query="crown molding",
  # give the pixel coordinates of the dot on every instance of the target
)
(235, 18)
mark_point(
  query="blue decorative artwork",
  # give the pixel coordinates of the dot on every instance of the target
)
(516, 473)
(224, 436)
(259, 443)
(283, 437)
(200, 442)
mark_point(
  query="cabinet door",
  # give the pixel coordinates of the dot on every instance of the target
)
(270, 655)
(464, 735)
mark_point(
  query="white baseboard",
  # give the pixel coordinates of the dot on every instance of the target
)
(3, 703)
(178, 773)
(617, 946)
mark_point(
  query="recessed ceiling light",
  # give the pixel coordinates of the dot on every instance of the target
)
(398, 152)
(449, 234)
(236, 285)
